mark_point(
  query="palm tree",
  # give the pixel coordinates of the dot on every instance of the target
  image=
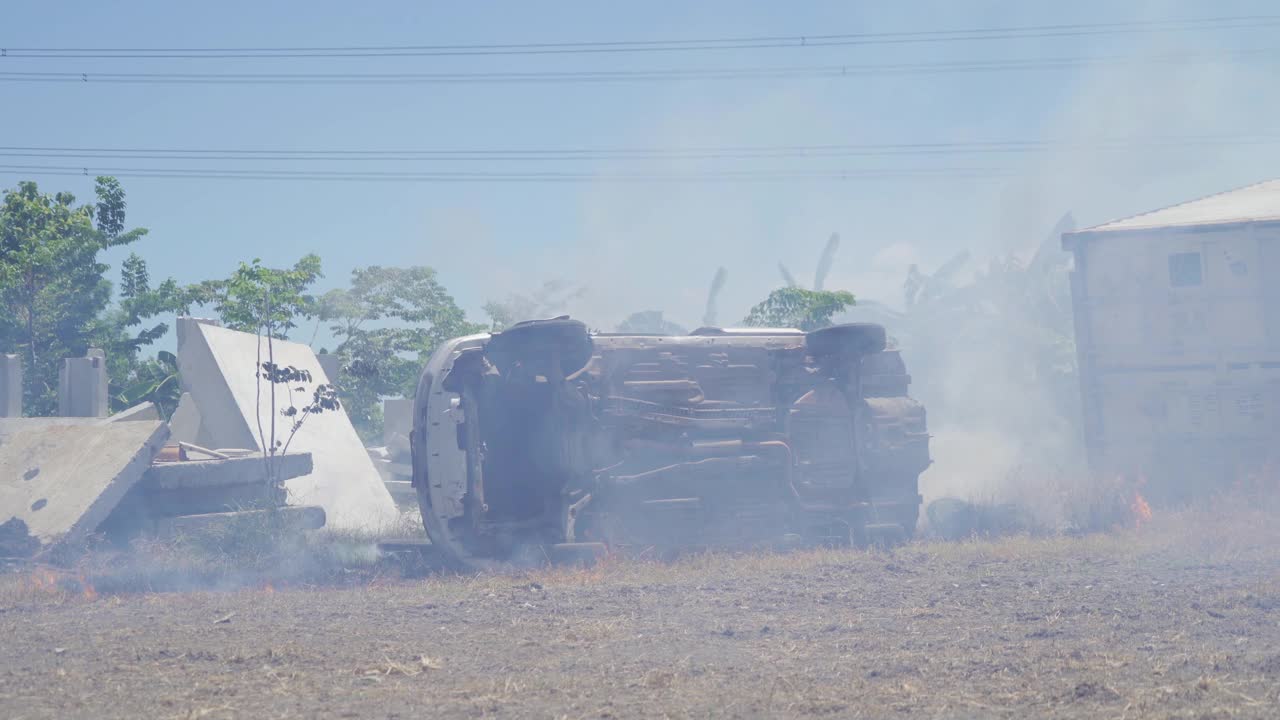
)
(825, 261)
(717, 284)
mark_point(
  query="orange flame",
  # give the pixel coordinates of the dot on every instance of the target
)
(87, 590)
(48, 582)
(268, 589)
(1140, 509)
(43, 580)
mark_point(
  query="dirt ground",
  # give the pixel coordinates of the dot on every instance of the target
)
(1180, 618)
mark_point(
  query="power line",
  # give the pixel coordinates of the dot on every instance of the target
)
(740, 152)
(651, 46)
(509, 177)
(623, 76)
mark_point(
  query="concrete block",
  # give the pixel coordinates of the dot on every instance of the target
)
(214, 473)
(291, 519)
(82, 386)
(331, 364)
(145, 411)
(397, 419)
(184, 323)
(11, 426)
(10, 386)
(171, 488)
(155, 505)
(63, 480)
(184, 425)
(218, 369)
(16, 540)
(399, 448)
(403, 492)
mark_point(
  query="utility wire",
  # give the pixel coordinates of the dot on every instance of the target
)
(651, 46)
(624, 76)
(508, 177)
(741, 152)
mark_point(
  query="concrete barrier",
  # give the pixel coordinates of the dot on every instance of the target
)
(290, 519)
(10, 386)
(82, 386)
(63, 480)
(331, 364)
(397, 419)
(218, 370)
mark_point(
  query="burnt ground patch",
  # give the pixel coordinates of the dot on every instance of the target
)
(1180, 618)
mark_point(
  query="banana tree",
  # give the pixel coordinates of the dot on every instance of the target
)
(997, 348)
(155, 380)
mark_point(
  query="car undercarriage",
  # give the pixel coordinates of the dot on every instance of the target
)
(546, 438)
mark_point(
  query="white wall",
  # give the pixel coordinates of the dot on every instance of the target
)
(1182, 364)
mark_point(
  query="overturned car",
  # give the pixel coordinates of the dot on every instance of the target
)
(547, 438)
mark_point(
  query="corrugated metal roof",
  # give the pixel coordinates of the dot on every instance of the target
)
(1252, 203)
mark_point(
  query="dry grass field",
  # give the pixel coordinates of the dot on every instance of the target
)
(1179, 618)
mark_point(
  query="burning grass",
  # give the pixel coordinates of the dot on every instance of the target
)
(1046, 501)
(251, 554)
(1176, 617)
(258, 554)
(45, 584)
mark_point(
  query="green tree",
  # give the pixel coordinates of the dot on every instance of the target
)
(261, 299)
(149, 380)
(124, 330)
(796, 307)
(53, 288)
(389, 322)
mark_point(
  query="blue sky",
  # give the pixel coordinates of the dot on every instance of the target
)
(639, 246)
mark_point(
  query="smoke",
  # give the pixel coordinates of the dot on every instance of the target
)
(1007, 431)
(993, 365)
(992, 359)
